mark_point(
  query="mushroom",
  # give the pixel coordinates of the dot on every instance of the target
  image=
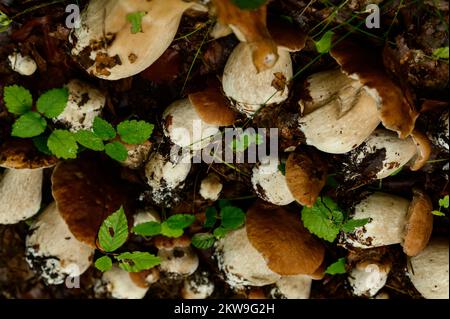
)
(84, 104)
(392, 220)
(178, 259)
(137, 154)
(192, 122)
(24, 65)
(197, 286)
(146, 215)
(271, 245)
(428, 271)
(423, 145)
(21, 182)
(210, 187)
(292, 287)
(368, 277)
(120, 285)
(53, 251)
(105, 44)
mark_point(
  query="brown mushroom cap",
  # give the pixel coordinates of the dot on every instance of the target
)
(419, 223)
(423, 145)
(397, 111)
(306, 175)
(286, 245)
(21, 154)
(140, 278)
(86, 192)
(213, 107)
(286, 35)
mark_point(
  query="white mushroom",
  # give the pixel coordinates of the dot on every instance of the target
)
(429, 270)
(210, 187)
(85, 103)
(367, 278)
(292, 287)
(145, 216)
(178, 261)
(197, 286)
(53, 251)
(120, 285)
(137, 154)
(24, 65)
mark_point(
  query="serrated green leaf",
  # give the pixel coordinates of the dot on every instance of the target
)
(337, 267)
(203, 240)
(30, 124)
(137, 261)
(180, 221)
(40, 142)
(249, 4)
(135, 19)
(147, 229)
(63, 144)
(324, 44)
(103, 263)
(103, 129)
(232, 217)
(18, 100)
(135, 132)
(352, 224)
(170, 232)
(211, 217)
(441, 53)
(438, 213)
(116, 151)
(52, 103)
(113, 232)
(220, 232)
(444, 202)
(89, 140)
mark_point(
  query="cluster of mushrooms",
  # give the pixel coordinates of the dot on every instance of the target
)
(355, 111)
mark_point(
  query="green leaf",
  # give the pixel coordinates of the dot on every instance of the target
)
(135, 132)
(147, 229)
(63, 144)
(203, 240)
(282, 168)
(137, 261)
(18, 100)
(223, 203)
(324, 219)
(89, 140)
(29, 125)
(103, 263)
(52, 103)
(211, 217)
(180, 221)
(170, 232)
(441, 53)
(40, 142)
(337, 267)
(135, 19)
(103, 129)
(352, 224)
(232, 217)
(113, 232)
(438, 213)
(249, 4)
(324, 44)
(116, 151)
(443, 202)
(397, 171)
(242, 142)
(5, 21)
(220, 232)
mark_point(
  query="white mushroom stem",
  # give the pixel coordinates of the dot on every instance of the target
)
(24, 65)
(210, 187)
(53, 251)
(85, 103)
(178, 261)
(120, 285)
(197, 286)
(20, 194)
(387, 218)
(241, 263)
(429, 271)
(367, 278)
(249, 89)
(292, 287)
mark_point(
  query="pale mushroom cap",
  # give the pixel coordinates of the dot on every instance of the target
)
(210, 187)
(198, 286)
(53, 251)
(270, 184)
(85, 103)
(387, 215)
(367, 278)
(179, 261)
(145, 216)
(185, 128)
(20, 194)
(120, 285)
(292, 287)
(249, 89)
(24, 65)
(330, 131)
(429, 271)
(241, 263)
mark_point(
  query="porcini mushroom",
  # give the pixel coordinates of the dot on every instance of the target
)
(178, 259)
(292, 287)
(368, 277)
(210, 187)
(105, 44)
(197, 286)
(21, 182)
(120, 285)
(137, 154)
(24, 65)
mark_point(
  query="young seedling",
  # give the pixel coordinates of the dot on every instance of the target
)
(443, 203)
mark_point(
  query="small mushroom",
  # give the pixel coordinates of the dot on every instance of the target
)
(85, 103)
(53, 251)
(178, 259)
(120, 285)
(21, 182)
(368, 277)
(105, 46)
(24, 65)
(137, 154)
(210, 187)
(429, 270)
(197, 286)
(292, 287)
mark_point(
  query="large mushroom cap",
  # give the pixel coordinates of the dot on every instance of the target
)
(287, 247)
(86, 193)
